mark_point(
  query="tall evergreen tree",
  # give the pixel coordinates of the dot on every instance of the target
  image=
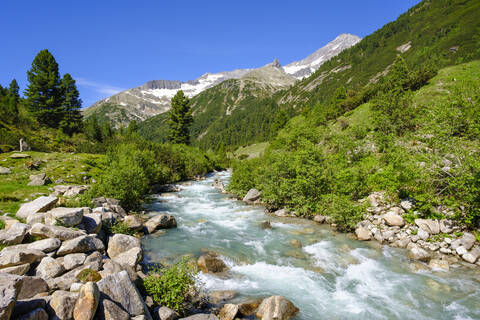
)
(14, 88)
(180, 119)
(43, 94)
(132, 127)
(70, 102)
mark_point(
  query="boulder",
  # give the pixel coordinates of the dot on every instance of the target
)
(41, 204)
(91, 223)
(220, 296)
(120, 243)
(14, 235)
(108, 310)
(201, 316)
(429, 225)
(447, 225)
(45, 245)
(228, 312)
(63, 303)
(363, 234)
(60, 189)
(130, 257)
(394, 219)
(248, 308)
(19, 156)
(438, 265)
(36, 314)
(4, 170)
(461, 251)
(38, 179)
(67, 217)
(18, 270)
(161, 221)
(406, 205)
(210, 263)
(417, 253)
(472, 255)
(73, 260)
(422, 234)
(276, 308)
(62, 233)
(252, 196)
(33, 218)
(466, 240)
(119, 288)
(265, 225)
(218, 184)
(25, 307)
(87, 302)
(133, 222)
(10, 258)
(81, 244)
(10, 286)
(165, 313)
(31, 287)
(319, 218)
(282, 213)
(49, 268)
(74, 191)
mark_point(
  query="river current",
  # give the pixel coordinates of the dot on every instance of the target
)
(332, 276)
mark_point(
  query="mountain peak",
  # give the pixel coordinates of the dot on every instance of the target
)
(275, 63)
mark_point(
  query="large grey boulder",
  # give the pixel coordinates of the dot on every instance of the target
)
(276, 308)
(228, 312)
(62, 233)
(472, 255)
(363, 233)
(33, 218)
(38, 179)
(49, 268)
(87, 302)
(252, 196)
(10, 286)
(447, 225)
(45, 245)
(41, 204)
(211, 263)
(120, 243)
(164, 313)
(31, 287)
(161, 221)
(109, 310)
(429, 225)
(417, 253)
(119, 288)
(63, 303)
(74, 191)
(81, 244)
(18, 270)
(392, 218)
(130, 257)
(91, 223)
(133, 222)
(10, 258)
(467, 241)
(14, 235)
(73, 260)
(67, 217)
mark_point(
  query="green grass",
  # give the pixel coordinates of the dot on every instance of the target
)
(69, 167)
(252, 151)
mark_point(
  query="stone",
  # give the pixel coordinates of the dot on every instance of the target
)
(10, 286)
(76, 286)
(210, 263)
(14, 235)
(406, 205)
(63, 303)
(276, 308)
(81, 244)
(4, 170)
(37, 314)
(429, 225)
(461, 250)
(228, 312)
(45, 245)
(201, 316)
(23, 145)
(133, 222)
(265, 225)
(120, 243)
(10, 258)
(165, 313)
(33, 218)
(363, 233)
(218, 184)
(130, 257)
(220, 296)
(295, 243)
(87, 302)
(24, 307)
(438, 265)
(466, 240)
(108, 310)
(252, 196)
(73, 260)
(66, 217)
(472, 256)
(19, 156)
(60, 189)
(422, 234)
(91, 223)
(417, 253)
(160, 221)
(31, 287)
(38, 179)
(119, 288)
(248, 308)
(41, 204)
(18, 270)
(282, 213)
(49, 268)
(447, 225)
(319, 218)
(74, 191)
(393, 219)
(61, 233)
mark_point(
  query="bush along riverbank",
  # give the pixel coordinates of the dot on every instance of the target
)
(439, 243)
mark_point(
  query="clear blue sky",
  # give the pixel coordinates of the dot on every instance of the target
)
(108, 45)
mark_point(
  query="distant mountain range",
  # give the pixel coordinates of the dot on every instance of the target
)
(154, 97)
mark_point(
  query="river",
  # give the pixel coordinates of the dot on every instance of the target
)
(332, 276)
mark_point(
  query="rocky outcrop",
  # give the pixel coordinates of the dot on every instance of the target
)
(276, 308)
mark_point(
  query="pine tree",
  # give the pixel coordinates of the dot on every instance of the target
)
(92, 129)
(180, 119)
(132, 127)
(14, 88)
(43, 95)
(70, 103)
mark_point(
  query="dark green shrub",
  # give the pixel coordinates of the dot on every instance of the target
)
(114, 227)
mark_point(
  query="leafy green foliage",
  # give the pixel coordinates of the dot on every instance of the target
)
(115, 227)
(171, 286)
(2, 224)
(180, 119)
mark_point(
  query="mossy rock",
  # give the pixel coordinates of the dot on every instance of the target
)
(87, 275)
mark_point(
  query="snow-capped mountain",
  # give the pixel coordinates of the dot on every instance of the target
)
(154, 97)
(305, 67)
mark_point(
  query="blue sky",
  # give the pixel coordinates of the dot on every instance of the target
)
(109, 46)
